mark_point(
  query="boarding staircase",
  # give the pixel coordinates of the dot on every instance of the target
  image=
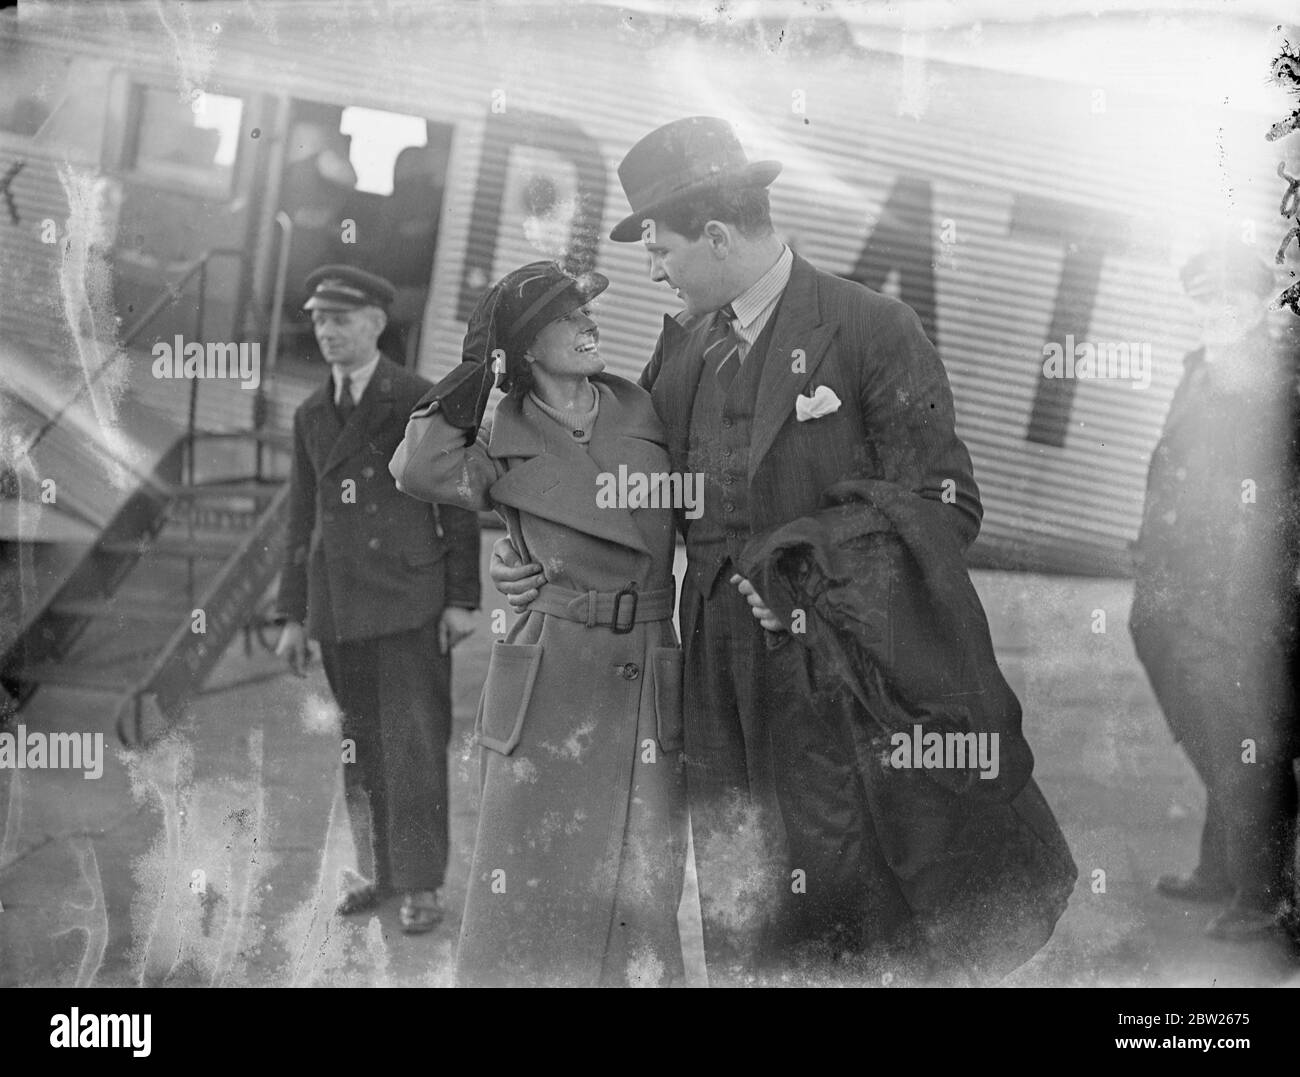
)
(142, 614)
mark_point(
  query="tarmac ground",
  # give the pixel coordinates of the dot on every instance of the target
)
(214, 857)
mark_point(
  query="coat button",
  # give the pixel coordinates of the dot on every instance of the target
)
(373, 544)
(367, 472)
(729, 507)
(726, 421)
(629, 672)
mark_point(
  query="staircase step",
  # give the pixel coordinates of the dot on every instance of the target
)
(207, 547)
(276, 439)
(69, 675)
(236, 488)
(120, 608)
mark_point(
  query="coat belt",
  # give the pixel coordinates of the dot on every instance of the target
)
(620, 610)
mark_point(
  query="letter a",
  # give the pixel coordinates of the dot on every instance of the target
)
(900, 758)
(498, 881)
(1248, 750)
(1098, 881)
(1053, 366)
(798, 881)
(607, 491)
(647, 750)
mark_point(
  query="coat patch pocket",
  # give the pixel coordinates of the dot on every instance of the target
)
(422, 558)
(512, 671)
(667, 664)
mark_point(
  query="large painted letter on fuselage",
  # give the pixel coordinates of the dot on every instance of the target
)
(903, 239)
(562, 137)
(1086, 236)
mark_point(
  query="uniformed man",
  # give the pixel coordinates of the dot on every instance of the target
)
(388, 586)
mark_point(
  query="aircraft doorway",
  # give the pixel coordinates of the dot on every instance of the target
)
(363, 187)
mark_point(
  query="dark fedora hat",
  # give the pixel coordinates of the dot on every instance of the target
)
(681, 159)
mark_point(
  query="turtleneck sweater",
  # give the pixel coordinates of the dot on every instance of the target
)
(578, 423)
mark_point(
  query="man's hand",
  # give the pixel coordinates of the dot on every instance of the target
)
(757, 607)
(454, 626)
(293, 646)
(518, 582)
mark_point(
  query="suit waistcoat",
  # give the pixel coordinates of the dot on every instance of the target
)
(718, 448)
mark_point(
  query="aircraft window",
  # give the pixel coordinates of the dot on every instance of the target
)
(377, 138)
(194, 144)
(29, 81)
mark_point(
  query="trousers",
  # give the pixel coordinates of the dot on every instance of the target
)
(395, 695)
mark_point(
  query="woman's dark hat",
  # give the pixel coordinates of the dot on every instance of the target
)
(504, 323)
(684, 158)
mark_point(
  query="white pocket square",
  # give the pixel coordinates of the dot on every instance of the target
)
(822, 402)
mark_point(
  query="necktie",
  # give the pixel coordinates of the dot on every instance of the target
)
(724, 344)
(346, 405)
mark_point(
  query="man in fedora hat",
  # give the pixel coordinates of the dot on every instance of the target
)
(387, 585)
(776, 381)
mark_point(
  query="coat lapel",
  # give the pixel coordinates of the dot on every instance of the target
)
(321, 423)
(374, 410)
(798, 328)
(556, 479)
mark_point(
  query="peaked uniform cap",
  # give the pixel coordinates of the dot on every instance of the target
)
(341, 287)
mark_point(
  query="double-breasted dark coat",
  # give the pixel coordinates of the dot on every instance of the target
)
(580, 852)
(363, 560)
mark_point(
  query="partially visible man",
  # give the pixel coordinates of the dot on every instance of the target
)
(1214, 606)
(388, 586)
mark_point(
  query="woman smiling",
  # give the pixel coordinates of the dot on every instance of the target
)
(579, 857)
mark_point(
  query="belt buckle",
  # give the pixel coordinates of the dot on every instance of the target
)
(628, 591)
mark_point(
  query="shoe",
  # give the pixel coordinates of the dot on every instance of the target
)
(358, 899)
(1193, 887)
(421, 911)
(1242, 923)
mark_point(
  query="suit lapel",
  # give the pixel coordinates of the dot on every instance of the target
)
(798, 328)
(373, 410)
(678, 380)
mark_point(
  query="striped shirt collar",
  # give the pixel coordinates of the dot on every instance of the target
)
(762, 295)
